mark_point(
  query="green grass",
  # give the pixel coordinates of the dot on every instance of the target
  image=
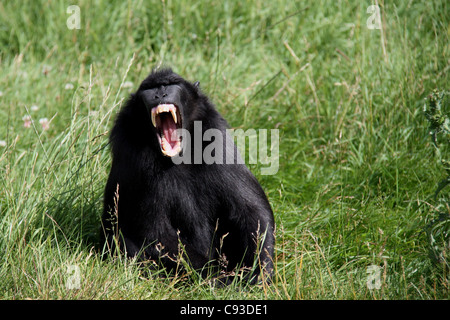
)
(357, 168)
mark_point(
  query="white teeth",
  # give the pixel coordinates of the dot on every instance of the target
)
(172, 152)
(154, 118)
(167, 150)
(164, 108)
(166, 147)
(174, 114)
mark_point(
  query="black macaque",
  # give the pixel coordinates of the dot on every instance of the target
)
(214, 215)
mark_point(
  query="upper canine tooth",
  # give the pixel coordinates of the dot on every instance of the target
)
(154, 118)
(174, 114)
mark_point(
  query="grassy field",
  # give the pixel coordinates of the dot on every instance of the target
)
(354, 194)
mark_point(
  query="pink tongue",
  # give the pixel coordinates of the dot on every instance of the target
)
(169, 128)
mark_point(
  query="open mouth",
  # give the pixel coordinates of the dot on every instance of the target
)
(166, 118)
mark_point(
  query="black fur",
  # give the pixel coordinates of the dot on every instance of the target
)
(216, 214)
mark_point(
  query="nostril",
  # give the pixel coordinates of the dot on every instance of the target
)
(164, 95)
(156, 97)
